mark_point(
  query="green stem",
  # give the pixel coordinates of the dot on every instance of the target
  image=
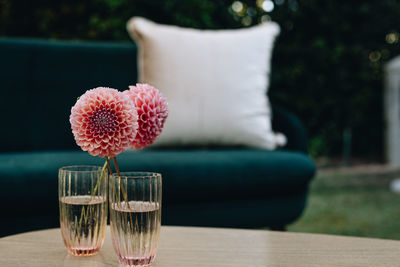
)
(124, 194)
(99, 180)
(85, 213)
(109, 165)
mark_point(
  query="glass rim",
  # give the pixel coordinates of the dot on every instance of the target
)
(75, 168)
(137, 175)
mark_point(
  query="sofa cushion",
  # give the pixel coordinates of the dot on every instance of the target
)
(272, 212)
(24, 223)
(215, 82)
(30, 179)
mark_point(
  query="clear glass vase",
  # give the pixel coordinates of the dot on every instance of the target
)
(83, 208)
(135, 216)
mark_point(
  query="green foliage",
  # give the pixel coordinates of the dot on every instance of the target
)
(317, 147)
(327, 64)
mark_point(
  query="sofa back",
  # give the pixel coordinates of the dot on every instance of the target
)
(40, 81)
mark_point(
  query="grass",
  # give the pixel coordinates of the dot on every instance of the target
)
(355, 203)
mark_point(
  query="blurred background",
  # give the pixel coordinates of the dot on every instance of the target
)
(327, 64)
(327, 68)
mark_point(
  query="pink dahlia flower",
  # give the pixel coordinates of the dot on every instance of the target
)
(152, 109)
(104, 122)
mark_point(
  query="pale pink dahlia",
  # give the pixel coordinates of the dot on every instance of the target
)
(152, 109)
(104, 122)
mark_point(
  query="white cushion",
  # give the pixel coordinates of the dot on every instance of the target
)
(215, 82)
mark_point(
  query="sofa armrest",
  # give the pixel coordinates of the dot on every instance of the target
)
(287, 123)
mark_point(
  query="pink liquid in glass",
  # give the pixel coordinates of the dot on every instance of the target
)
(135, 231)
(83, 222)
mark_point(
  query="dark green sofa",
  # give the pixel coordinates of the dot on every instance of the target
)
(221, 187)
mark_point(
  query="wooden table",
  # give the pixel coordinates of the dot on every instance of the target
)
(192, 246)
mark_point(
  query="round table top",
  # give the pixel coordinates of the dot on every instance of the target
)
(194, 246)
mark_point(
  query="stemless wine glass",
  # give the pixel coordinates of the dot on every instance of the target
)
(135, 216)
(82, 192)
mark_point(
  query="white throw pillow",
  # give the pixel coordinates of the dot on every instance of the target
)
(215, 82)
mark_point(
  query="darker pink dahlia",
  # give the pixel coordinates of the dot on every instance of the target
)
(152, 109)
(104, 122)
